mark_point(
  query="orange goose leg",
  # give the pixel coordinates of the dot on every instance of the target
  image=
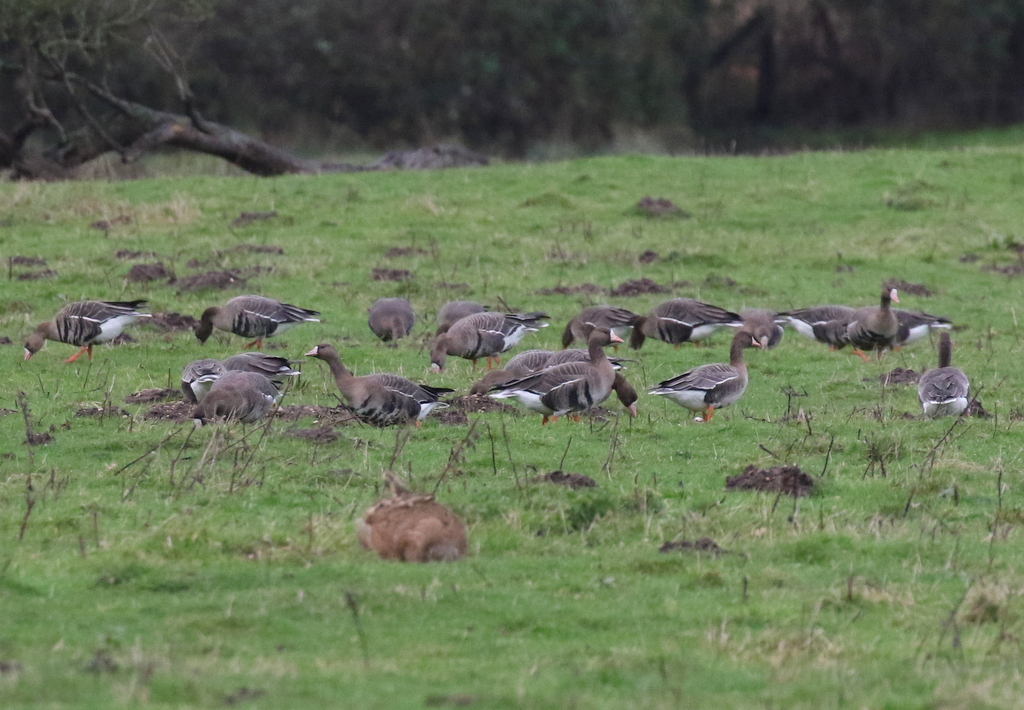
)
(258, 344)
(860, 353)
(85, 348)
(708, 413)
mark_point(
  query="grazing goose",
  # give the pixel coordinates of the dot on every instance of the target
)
(916, 325)
(570, 388)
(874, 328)
(411, 527)
(681, 320)
(483, 335)
(245, 396)
(85, 323)
(252, 317)
(626, 393)
(763, 327)
(530, 361)
(391, 318)
(943, 391)
(454, 311)
(826, 324)
(710, 387)
(383, 399)
(272, 366)
(198, 376)
(618, 320)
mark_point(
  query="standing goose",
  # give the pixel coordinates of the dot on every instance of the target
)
(383, 399)
(252, 317)
(411, 527)
(874, 328)
(245, 396)
(710, 387)
(763, 326)
(680, 320)
(915, 325)
(391, 318)
(944, 390)
(199, 375)
(483, 335)
(618, 320)
(530, 361)
(454, 311)
(826, 324)
(85, 323)
(569, 388)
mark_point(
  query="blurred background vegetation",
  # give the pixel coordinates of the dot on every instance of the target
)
(522, 78)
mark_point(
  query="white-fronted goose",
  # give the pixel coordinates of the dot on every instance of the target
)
(530, 361)
(237, 395)
(826, 324)
(617, 320)
(710, 387)
(274, 367)
(680, 320)
(943, 391)
(411, 527)
(455, 311)
(915, 325)
(85, 323)
(764, 327)
(255, 317)
(569, 388)
(874, 327)
(483, 335)
(391, 318)
(383, 399)
(198, 376)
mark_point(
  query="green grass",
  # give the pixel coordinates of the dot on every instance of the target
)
(152, 572)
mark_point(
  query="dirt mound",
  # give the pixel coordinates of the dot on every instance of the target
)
(1011, 270)
(170, 412)
(172, 321)
(433, 158)
(327, 416)
(452, 418)
(317, 435)
(472, 404)
(660, 207)
(42, 437)
(778, 479)
(36, 275)
(219, 280)
(4, 340)
(153, 394)
(574, 481)
(396, 252)
(259, 249)
(142, 273)
(391, 275)
(974, 409)
(128, 254)
(648, 257)
(25, 261)
(704, 544)
(247, 218)
(570, 290)
(897, 376)
(100, 410)
(907, 287)
(638, 287)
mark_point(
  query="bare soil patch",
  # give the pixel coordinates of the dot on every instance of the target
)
(472, 404)
(129, 254)
(211, 280)
(648, 257)
(703, 544)
(102, 410)
(974, 409)
(452, 418)
(4, 340)
(246, 218)
(397, 252)
(574, 481)
(638, 287)
(172, 321)
(25, 261)
(259, 249)
(391, 275)
(170, 412)
(570, 290)
(907, 287)
(1010, 270)
(327, 416)
(153, 394)
(660, 207)
(789, 480)
(317, 435)
(43, 437)
(144, 273)
(897, 376)
(37, 275)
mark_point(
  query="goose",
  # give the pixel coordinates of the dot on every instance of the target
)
(874, 328)
(680, 320)
(243, 396)
(85, 323)
(915, 325)
(710, 387)
(618, 320)
(530, 361)
(454, 311)
(199, 375)
(826, 324)
(483, 335)
(391, 318)
(943, 391)
(570, 388)
(252, 317)
(763, 326)
(411, 527)
(383, 399)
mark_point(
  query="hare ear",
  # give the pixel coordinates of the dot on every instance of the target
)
(396, 484)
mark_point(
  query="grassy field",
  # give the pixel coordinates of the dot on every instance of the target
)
(145, 563)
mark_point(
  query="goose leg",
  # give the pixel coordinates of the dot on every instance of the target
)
(545, 420)
(860, 353)
(85, 348)
(708, 413)
(258, 344)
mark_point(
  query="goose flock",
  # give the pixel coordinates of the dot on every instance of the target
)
(554, 384)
